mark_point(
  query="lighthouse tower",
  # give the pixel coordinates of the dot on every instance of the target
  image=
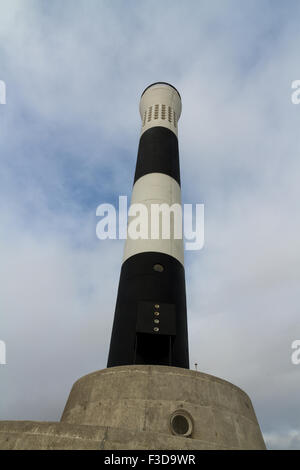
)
(147, 398)
(150, 325)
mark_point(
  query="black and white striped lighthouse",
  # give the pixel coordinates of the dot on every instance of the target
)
(144, 403)
(150, 323)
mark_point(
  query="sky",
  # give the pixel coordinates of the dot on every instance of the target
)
(69, 132)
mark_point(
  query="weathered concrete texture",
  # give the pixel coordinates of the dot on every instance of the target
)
(129, 407)
(24, 435)
(142, 398)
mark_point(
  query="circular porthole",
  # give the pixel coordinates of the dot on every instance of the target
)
(181, 423)
(158, 267)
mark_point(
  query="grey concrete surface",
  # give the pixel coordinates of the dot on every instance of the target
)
(130, 407)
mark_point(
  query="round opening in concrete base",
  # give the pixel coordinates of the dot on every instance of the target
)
(181, 423)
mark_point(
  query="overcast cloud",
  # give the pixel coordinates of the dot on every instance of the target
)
(74, 72)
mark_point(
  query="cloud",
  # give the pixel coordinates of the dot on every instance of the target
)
(284, 441)
(68, 142)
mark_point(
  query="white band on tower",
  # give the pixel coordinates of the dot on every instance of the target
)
(160, 105)
(156, 188)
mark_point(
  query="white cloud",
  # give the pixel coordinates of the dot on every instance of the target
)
(283, 441)
(69, 134)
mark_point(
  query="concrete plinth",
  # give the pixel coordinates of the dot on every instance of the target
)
(145, 407)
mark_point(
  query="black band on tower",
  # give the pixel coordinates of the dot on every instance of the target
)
(143, 290)
(158, 153)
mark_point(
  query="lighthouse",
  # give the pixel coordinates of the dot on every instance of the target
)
(147, 397)
(150, 323)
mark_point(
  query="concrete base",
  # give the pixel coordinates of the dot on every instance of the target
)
(144, 407)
